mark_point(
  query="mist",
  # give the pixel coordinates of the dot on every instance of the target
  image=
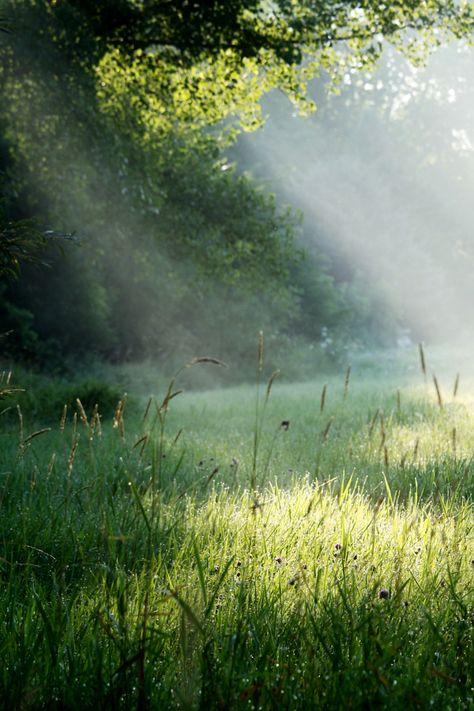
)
(384, 175)
(180, 249)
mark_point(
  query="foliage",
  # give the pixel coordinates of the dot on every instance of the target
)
(19, 241)
(40, 397)
(223, 73)
(165, 229)
(114, 122)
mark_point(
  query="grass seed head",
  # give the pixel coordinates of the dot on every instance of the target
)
(323, 398)
(438, 392)
(422, 359)
(346, 381)
(456, 386)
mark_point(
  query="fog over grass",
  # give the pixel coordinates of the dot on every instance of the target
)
(384, 175)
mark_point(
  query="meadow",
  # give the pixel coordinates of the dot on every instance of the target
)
(275, 546)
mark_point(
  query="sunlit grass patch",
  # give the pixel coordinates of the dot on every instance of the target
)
(168, 558)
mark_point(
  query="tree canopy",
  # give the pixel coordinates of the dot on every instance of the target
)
(115, 121)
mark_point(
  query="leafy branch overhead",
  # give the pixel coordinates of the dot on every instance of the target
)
(199, 62)
(288, 30)
(22, 242)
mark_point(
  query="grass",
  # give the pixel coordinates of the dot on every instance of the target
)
(315, 551)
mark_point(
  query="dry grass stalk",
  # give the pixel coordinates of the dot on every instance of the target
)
(118, 422)
(373, 422)
(383, 433)
(272, 379)
(95, 422)
(454, 440)
(422, 359)
(72, 455)
(147, 408)
(456, 385)
(323, 398)
(346, 381)
(140, 441)
(168, 397)
(415, 449)
(438, 392)
(51, 464)
(325, 432)
(82, 412)
(36, 434)
(62, 421)
(260, 351)
(212, 475)
(207, 359)
(94, 415)
(20, 422)
(143, 441)
(5, 387)
(385, 456)
(193, 362)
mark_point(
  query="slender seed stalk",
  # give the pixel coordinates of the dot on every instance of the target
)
(346, 382)
(438, 392)
(422, 360)
(323, 398)
(456, 386)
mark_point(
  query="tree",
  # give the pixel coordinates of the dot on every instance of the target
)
(117, 116)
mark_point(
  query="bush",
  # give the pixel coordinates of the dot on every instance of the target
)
(44, 399)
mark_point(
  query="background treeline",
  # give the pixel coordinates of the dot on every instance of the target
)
(115, 132)
(384, 174)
